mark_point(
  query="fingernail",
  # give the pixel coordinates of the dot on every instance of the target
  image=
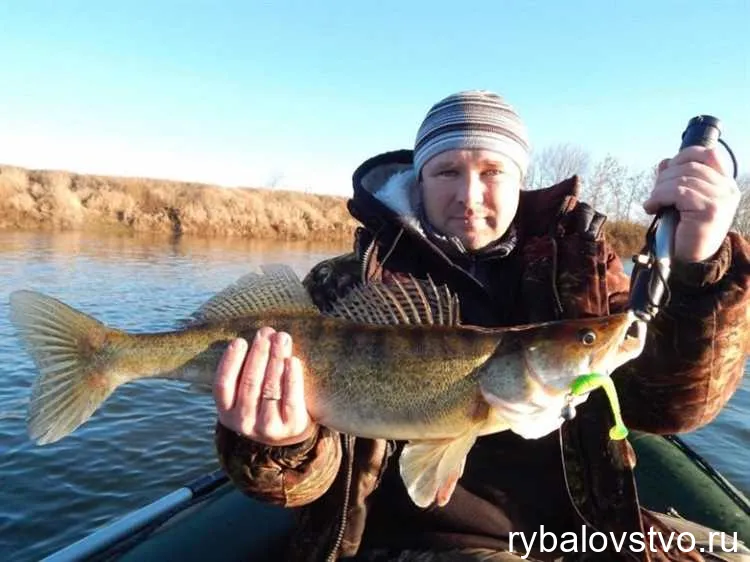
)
(284, 340)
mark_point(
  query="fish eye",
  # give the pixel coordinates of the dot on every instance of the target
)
(587, 336)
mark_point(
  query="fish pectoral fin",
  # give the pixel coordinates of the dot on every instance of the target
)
(446, 489)
(431, 468)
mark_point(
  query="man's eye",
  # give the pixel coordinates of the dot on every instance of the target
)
(493, 172)
(448, 173)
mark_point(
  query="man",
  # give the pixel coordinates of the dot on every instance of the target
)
(453, 209)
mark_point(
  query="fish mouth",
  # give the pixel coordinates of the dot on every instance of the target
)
(635, 337)
(626, 344)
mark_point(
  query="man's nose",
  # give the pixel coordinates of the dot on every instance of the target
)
(471, 190)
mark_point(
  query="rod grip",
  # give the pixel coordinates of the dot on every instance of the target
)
(649, 281)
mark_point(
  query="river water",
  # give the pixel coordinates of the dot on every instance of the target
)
(152, 437)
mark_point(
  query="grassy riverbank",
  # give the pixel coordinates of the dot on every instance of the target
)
(56, 200)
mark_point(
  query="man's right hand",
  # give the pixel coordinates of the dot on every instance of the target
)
(260, 393)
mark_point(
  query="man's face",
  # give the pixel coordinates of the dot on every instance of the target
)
(471, 194)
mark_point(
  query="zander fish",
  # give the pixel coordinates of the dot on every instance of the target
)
(387, 361)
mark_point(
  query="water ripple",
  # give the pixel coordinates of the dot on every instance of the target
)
(150, 437)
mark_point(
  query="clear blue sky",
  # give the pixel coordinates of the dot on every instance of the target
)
(239, 92)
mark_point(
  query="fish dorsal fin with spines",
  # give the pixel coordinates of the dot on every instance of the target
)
(276, 290)
(405, 301)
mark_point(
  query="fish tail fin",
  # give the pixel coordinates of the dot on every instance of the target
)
(66, 346)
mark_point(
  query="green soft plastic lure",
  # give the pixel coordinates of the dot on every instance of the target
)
(586, 383)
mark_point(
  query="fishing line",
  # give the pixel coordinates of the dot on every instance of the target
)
(732, 156)
(572, 501)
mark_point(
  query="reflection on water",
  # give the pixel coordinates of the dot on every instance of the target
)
(20, 246)
(151, 437)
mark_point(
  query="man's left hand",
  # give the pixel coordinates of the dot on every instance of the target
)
(702, 189)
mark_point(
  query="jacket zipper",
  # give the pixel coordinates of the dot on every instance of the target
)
(366, 259)
(345, 510)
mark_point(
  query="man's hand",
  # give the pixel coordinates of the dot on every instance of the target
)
(701, 188)
(260, 393)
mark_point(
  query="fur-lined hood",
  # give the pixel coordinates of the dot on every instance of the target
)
(386, 185)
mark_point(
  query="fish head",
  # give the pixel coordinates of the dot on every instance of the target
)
(556, 353)
(528, 380)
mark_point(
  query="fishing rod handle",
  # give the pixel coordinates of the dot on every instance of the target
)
(650, 284)
(702, 130)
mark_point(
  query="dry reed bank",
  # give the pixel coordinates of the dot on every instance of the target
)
(627, 238)
(56, 200)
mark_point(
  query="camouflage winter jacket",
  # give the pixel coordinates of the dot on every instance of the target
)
(555, 264)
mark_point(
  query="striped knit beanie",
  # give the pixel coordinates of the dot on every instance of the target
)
(475, 119)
